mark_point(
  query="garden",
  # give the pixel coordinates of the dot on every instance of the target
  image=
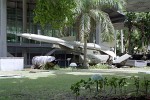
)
(77, 84)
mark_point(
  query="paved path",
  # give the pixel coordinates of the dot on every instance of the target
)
(33, 74)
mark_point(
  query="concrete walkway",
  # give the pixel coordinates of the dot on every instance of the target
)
(34, 74)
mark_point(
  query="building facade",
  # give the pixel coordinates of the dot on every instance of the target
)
(16, 17)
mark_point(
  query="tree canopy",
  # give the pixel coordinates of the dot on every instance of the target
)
(139, 21)
(93, 9)
(54, 12)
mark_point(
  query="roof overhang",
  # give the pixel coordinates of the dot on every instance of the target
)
(138, 5)
(132, 6)
(117, 18)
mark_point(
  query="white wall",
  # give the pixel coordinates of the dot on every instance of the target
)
(11, 63)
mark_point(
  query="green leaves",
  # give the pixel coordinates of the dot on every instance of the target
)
(113, 86)
(146, 84)
(130, 19)
(141, 23)
(54, 12)
(76, 88)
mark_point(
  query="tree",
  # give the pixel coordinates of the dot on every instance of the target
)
(135, 43)
(143, 25)
(57, 13)
(93, 9)
(129, 23)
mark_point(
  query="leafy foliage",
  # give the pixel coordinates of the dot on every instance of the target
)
(94, 9)
(129, 23)
(141, 23)
(54, 12)
(117, 86)
(146, 84)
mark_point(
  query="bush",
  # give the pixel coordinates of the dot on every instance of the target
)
(100, 66)
(49, 66)
(110, 88)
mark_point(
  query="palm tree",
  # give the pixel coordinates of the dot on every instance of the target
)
(92, 9)
(129, 23)
(143, 25)
(138, 21)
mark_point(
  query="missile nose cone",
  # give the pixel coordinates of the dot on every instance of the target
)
(25, 35)
(19, 34)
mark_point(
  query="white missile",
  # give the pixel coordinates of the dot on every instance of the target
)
(54, 40)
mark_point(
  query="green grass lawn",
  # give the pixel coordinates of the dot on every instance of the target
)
(52, 87)
(45, 88)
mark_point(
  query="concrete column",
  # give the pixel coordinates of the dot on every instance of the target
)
(3, 23)
(24, 54)
(115, 35)
(98, 33)
(122, 46)
(35, 29)
(24, 6)
(39, 32)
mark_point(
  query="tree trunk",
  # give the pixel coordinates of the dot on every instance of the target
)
(129, 44)
(85, 63)
(143, 36)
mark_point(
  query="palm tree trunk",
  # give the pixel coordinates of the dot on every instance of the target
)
(85, 63)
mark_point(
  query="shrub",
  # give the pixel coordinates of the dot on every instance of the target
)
(114, 85)
(99, 66)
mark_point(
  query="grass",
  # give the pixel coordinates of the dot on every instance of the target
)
(52, 87)
(37, 89)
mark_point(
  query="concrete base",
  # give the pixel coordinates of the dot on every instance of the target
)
(148, 62)
(136, 63)
(11, 63)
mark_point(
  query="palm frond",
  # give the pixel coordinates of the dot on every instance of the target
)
(107, 4)
(107, 32)
(85, 26)
(119, 5)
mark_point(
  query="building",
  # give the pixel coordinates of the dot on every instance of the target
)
(16, 16)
